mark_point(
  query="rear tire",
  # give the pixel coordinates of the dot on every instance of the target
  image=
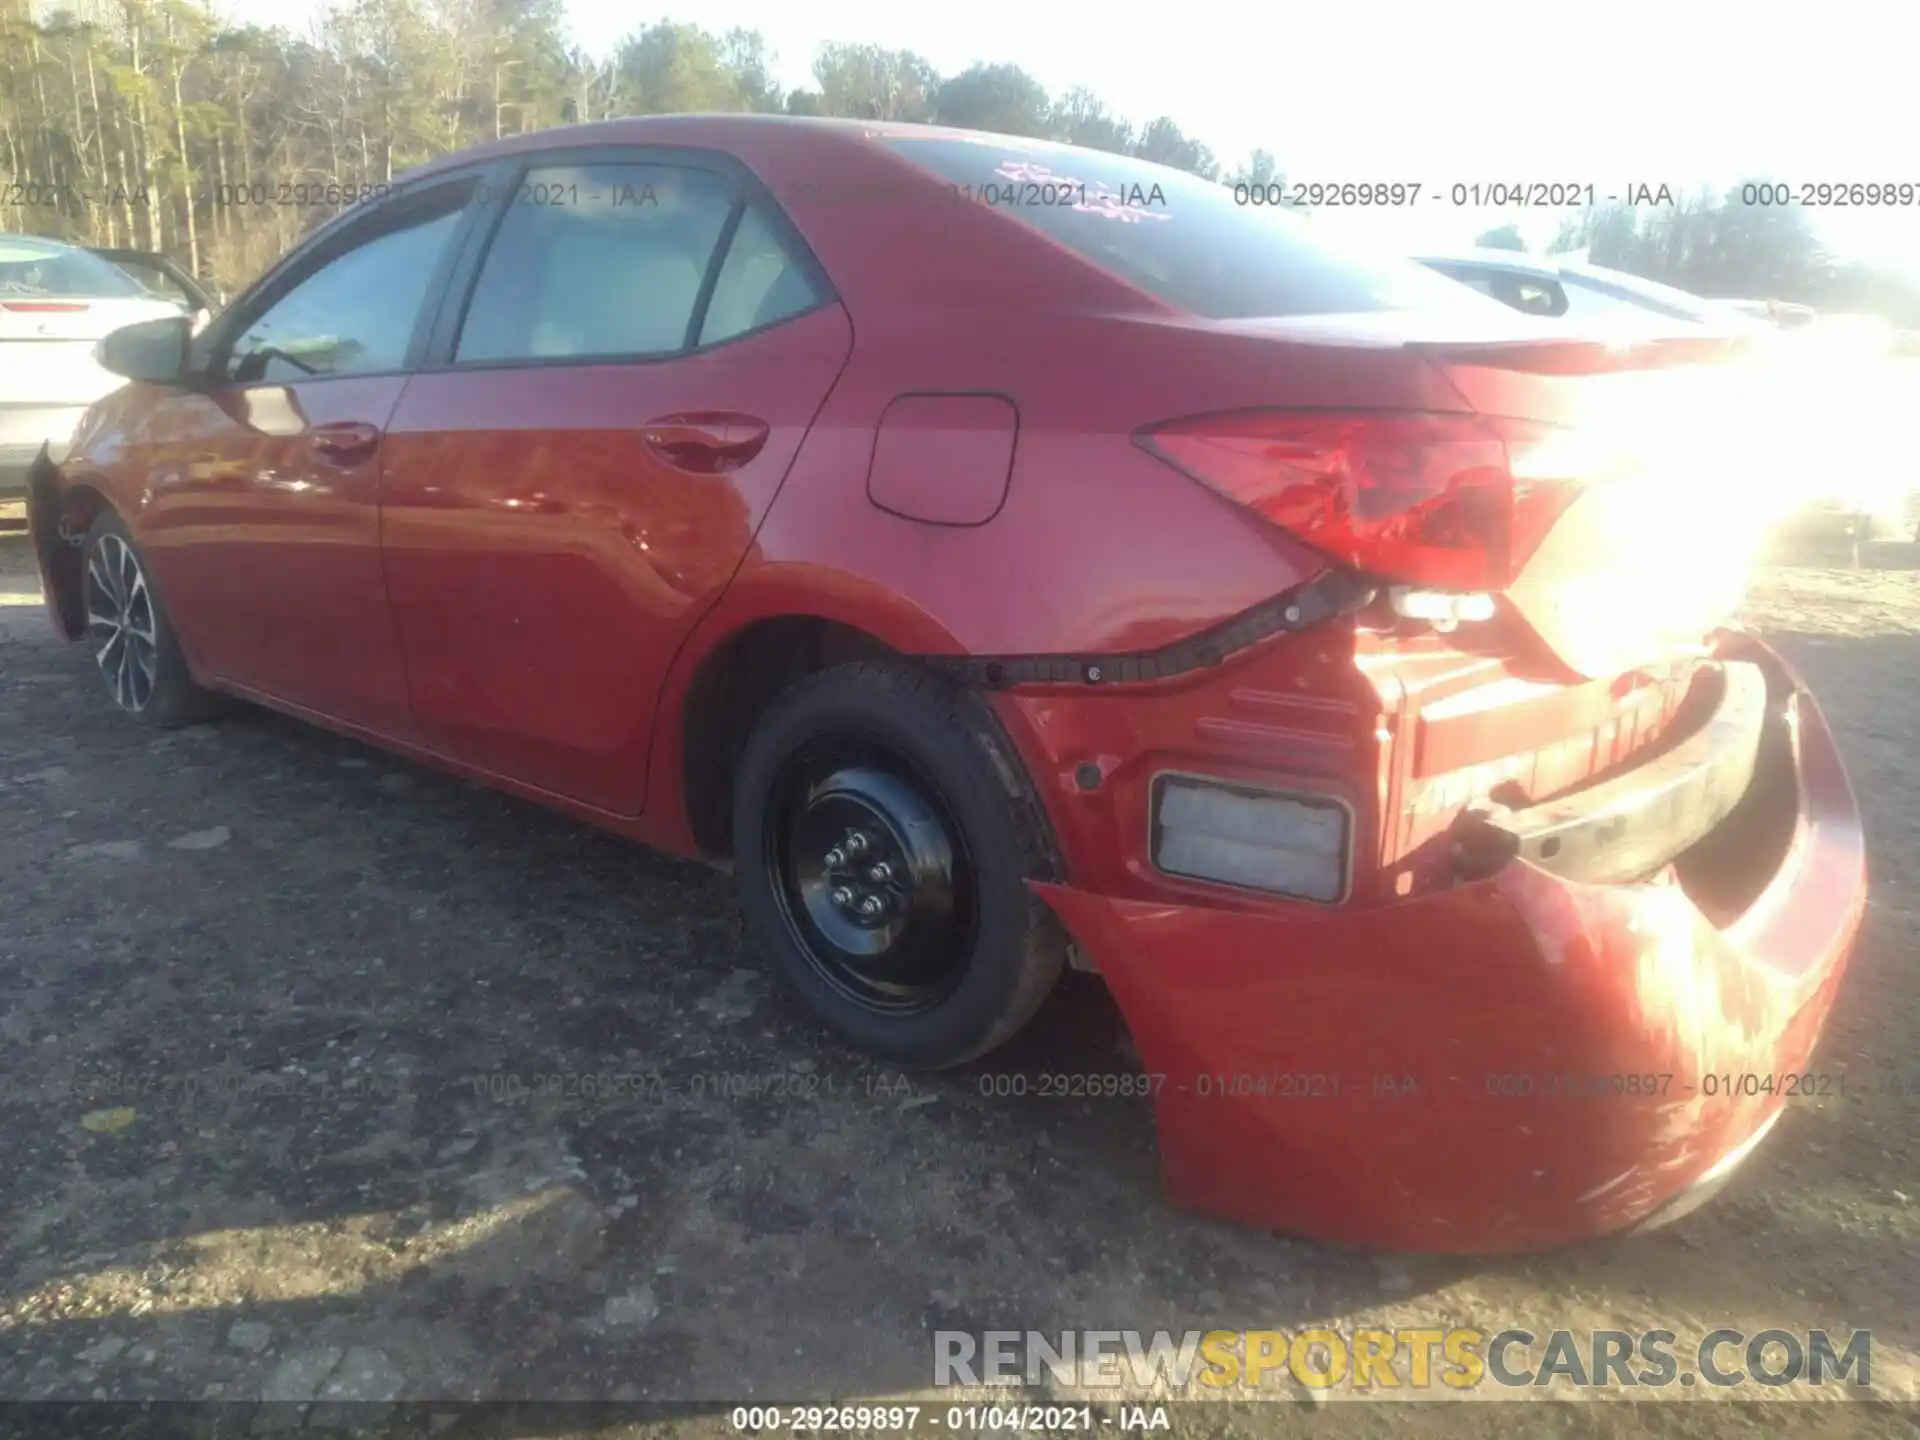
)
(130, 635)
(884, 833)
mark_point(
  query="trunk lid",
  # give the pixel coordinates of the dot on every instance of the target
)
(1673, 478)
(1604, 630)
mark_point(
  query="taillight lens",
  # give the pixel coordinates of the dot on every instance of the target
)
(41, 307)
(1453, 502)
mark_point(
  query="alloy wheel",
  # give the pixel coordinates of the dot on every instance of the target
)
(121, 624)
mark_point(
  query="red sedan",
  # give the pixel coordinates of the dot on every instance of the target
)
(1010, 556)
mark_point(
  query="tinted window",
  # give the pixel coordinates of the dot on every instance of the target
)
(594, 260)
(31, 268)
(1588, 300)
(1525, 293)
(1481, 280)
(355, 314)
(157, 281)
(1532, 296)
(761, 282)
(1181, 239)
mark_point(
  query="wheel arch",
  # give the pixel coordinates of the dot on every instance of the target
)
(775, 625)
(729, 691)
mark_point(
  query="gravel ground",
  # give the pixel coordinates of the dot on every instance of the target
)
(279, 1024)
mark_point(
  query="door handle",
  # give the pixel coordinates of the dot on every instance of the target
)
(705, 442)
(345, 439)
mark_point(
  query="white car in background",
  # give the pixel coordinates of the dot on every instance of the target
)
(1785, 314)
(1554, 287)
(1861, 486)
(56, 303)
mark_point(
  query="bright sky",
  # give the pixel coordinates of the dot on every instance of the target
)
(1474, 91)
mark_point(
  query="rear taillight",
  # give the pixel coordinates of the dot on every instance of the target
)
(41, 307)
(1450, 502)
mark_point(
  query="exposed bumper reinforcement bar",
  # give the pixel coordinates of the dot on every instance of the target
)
(1630, 826)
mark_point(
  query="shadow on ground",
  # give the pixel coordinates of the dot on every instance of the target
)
(325, 1079)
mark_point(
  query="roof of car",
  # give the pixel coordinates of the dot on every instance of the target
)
(719, 131)
(878, 221)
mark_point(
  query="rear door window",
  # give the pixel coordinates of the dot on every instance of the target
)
(1181, 239)
(762, 281)
(598, 261)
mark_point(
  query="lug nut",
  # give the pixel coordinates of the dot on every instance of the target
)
(835, 858)
(881, 873)
(871, 906)
(857, 843)
(842, 896)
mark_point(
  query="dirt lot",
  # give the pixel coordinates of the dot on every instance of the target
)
(278, 1016)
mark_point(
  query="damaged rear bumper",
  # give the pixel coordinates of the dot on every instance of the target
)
(1521, 1061)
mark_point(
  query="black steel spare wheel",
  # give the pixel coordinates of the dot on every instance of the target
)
(873, 878)
(884, 834)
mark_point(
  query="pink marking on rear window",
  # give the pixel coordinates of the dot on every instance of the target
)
(1101, 199)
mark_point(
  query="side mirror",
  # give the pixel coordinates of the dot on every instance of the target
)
(153, 350)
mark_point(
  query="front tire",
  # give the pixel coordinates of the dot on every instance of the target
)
(130, 634)
(884, 834)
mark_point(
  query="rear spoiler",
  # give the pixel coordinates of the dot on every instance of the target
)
(1593, 355)
(165, 264)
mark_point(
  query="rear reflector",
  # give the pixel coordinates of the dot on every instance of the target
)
(1440, 608)
(40, 307)
(1444, 502)
(1250, 838)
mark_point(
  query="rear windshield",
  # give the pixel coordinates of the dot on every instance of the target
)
(1181, 239)
(27, 268)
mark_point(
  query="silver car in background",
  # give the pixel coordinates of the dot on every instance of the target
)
(56, 303)
(1592, 296)
(1863, 486)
